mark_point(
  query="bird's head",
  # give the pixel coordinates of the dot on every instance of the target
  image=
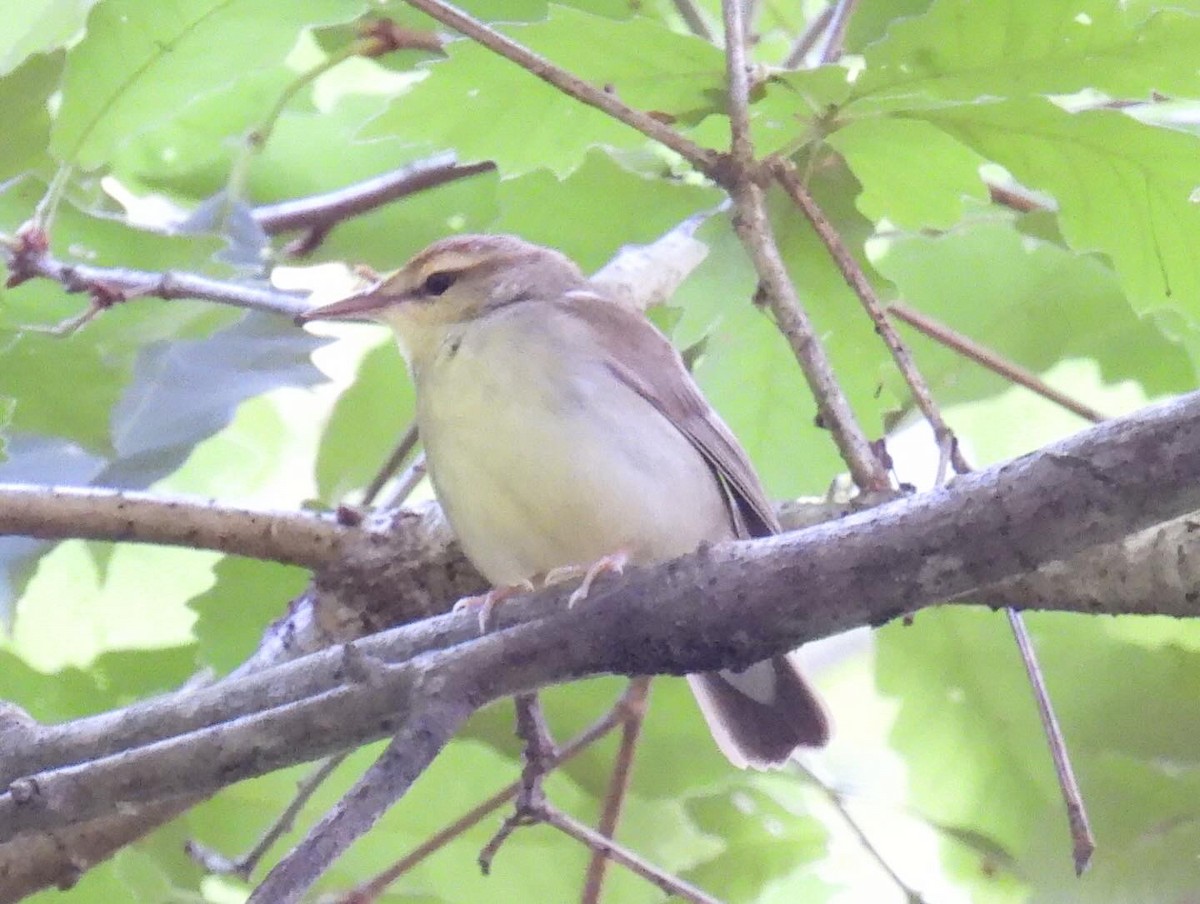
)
(452, 282)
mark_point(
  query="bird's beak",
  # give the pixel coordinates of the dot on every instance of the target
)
(359, 306)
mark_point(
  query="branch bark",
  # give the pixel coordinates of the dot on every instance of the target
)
(57, 513)
(1100, 485)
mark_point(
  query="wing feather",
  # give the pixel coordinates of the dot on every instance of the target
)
(641, 357)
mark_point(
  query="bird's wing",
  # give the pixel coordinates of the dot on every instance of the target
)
(641, 357)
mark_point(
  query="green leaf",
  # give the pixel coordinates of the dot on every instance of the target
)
(884, 153)
(185, 391)
(977, 759)
(71, 614)
(767, 842)
(232, 614)
(51, 695)
(367, 422)
(1148, 224)
(623, 208)
(1032, 302)
(24, 96)
(964, 51)
(140, 62)
(39, 26)
(644, 63)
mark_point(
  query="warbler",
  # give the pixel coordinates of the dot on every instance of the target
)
(563, 431)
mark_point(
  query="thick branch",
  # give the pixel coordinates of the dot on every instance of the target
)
(864, 570)
(58, 513)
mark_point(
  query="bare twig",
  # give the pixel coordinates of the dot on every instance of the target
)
(949, 448)
(754, 229)
(324, 210)
(57, 513)
(404, 447)
(693, 18)
(834, 798)
(616, 715)
(738, 93)
(1018, 201)
(835, 35)
(948, 451)
(1083, 842)
(406, 483)
(618, 785)
(808, 39)
(537, 756)
(705, 160)
(416, 744)
(670, 884)
(243, 866)
(167, 284)
(985, 357)
(787, 176)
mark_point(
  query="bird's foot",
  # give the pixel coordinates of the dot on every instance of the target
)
(614, 563)
(487, 603)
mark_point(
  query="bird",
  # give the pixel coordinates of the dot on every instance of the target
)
(563, 433)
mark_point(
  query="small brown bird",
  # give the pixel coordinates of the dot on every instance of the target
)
(562, 430)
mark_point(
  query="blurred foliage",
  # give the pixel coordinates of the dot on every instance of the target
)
(132, 114)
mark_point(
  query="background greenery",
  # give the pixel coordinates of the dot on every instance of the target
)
(938, 753)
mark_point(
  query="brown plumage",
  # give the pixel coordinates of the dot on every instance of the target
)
(562, 428)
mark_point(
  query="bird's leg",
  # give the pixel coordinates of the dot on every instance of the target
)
(488, 602)
(613, 563)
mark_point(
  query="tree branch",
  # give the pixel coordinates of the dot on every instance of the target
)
(111, 285)
(753, 227)
(864, 570)
(324, 210)
(59, 513)
(705, 160)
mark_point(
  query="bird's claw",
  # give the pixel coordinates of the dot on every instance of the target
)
(611, 564)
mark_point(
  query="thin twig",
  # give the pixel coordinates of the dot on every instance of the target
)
(617, 714)
(834, 798)
(243, 866)
(405, 758)
(538, 752)
(948, 449)
(670, 884)
(405, 483)
(167, 284)
(1083, 842)
(835, 35)
(407, 443)
(705, 160)
(787, 176)
(693, 19)
(985, 357)
(753, 227)
(618, 786)
(325, 209)
(1018, 201)
(738, 93)
(808, 39)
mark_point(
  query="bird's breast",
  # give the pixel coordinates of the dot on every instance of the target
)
(542, 457)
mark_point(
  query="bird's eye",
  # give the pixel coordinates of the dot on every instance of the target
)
(437, 283)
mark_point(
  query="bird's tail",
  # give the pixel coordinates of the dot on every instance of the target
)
(759, 715)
